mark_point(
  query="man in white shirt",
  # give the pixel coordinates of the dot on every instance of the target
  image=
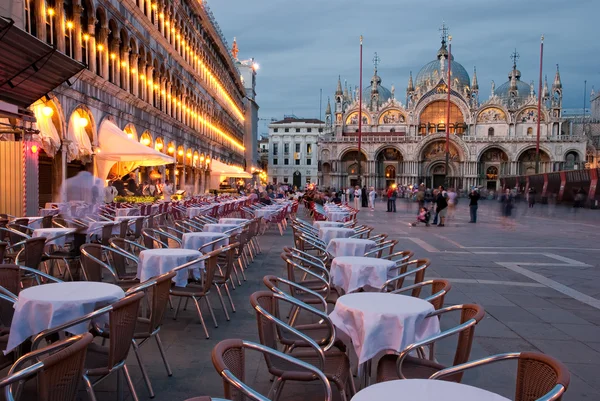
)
(110, 193)
(167, 190)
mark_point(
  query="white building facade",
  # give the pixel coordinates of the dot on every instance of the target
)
(404, 143)
(293, 151)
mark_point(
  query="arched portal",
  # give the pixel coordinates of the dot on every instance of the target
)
(572, 160)
(350, 168)
(388, 166)
(493, 163)
(433, 159)
(433, 118)
(527, 162)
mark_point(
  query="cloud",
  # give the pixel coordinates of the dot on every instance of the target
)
(302, 47)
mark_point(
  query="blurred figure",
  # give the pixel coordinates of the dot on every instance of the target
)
(452, 199)
(336, 198)
(441, 203)
(265, 199)
(531, 197)
(372, 195)
(120, 187)
(167, 190)
(357, 195)
(84, 187)
(422, 217)
(473, 205)
(110, 193)
(421, 196)
(131, 184)
(145, 189)
(363, 197)
(507, 206)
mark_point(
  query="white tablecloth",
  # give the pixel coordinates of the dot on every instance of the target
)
(425, 390)
(326, 234)
(34, 222)
(53, 232)
(120, 218)
(221, 228)
(196, 211)
(352, 273)
(198, 240)
(154, 262)
(377, 322)
(319, 224)
(95, 228)
(45, 306)
(265, 213)
(49, 212)
(337, 216)
(231, 220)
(127, 211)
(350, 246)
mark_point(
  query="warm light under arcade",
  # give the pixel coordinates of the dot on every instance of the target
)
(221, 133)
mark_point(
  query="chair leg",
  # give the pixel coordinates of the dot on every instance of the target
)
(134, 395)
(163, 355)
(241, 269)
(177, 310)
(136, 350)
(237, 277)
(222, 301)
(210, 309)
(89, 388)
(229, 296)
(200, 316)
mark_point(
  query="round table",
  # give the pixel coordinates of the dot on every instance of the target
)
(196, 211)
(326, 234)
(337, 215)
(127, 211)
(33, 222)
(264, 213)
(351, 273)
(45, 306)
(95, 228)
(198, 240)
(425, 390)
(154, 262)
(377, 322)
(53, 232)
(231, 220)
(350, 246)
(319, 224)
(221, 228)
(119, 218)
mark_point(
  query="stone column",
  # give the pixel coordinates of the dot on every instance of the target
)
(162, 96)
(124, 70)
(91, 46)
(133, 63)
(76, 31)
(149, 88)
(40, 19)
(113, 63)
(182, 175)
(168, 100)
(103, 56)
(60, 28)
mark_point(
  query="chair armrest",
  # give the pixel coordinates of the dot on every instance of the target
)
(475, 363)
(39, 273)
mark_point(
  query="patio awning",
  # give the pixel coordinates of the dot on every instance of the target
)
(116, 147)
(226, 170)
(30, 68)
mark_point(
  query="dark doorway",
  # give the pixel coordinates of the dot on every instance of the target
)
(353, 182)
(491, 185)
(438, 180)
(297, 180)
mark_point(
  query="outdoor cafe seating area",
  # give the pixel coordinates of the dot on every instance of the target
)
(84, 286)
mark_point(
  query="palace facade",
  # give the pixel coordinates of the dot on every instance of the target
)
(404, 143)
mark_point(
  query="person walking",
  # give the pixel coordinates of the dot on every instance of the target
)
(389, 198)
(110, 193)
(452, 200)
(357, 196)
(473, 205)
(531, 197)
(372, 195)
(421, 196)
(393, 198)
(364, 197)
(441, 203)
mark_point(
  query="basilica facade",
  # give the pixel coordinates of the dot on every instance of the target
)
(404, 142)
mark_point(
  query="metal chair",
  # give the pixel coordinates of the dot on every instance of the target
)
(102, 361)
(272, 331)
(58, 367)
(540, 377)
(116, 264)
(229, 358)
(396, 282)
(406, 366)
(439, 289)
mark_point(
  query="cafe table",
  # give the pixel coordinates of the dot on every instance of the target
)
(221, 228)
(350, 246)
(319, 224)
(197, 240)
(353, 273)
(326, 234)
(46, 306)
(154, 262)
(425, 390)
(51, 233)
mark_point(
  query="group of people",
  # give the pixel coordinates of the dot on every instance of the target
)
(443, 204)
(127, 186)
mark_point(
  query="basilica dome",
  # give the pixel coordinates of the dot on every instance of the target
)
(435, 70)
(384, 93)
(523, 89)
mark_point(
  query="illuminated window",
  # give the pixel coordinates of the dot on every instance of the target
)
(435, 114)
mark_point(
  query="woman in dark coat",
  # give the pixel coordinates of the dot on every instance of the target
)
(363, 198)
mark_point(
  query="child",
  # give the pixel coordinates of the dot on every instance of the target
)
(422, 217)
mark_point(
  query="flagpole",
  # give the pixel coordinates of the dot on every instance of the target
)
(448, 111)
(360, 114)
(539, 110)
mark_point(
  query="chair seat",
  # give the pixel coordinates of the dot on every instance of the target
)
(412, 368)
(96, 361)
(315, 331)
(142, 329)
(189, 291)
(337, 367)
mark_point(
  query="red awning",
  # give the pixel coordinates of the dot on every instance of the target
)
(30, 68)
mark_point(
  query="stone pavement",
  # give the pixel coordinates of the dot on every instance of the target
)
(537, 279)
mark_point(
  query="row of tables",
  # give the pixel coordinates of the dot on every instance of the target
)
(373, 322)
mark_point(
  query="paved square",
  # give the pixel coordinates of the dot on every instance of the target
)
(537, 280)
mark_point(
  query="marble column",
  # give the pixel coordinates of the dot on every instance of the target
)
(76, 31)
(149, 87)
(133, 63)
(91, 46)
(124, 69)
(167, 99)
(113, 61)
(103, 56)
(40, 19)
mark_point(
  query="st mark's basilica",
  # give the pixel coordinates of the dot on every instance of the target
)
(404, 143)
